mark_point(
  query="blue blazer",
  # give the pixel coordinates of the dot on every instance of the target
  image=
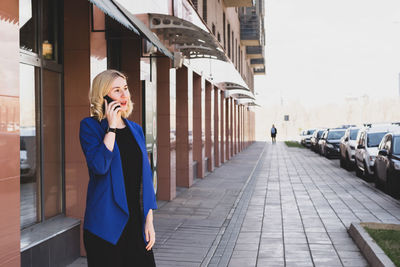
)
(106, 205)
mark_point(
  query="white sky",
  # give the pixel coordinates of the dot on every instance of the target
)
(327, 50)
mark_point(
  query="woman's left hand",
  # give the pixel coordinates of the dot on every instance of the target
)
(149, 231)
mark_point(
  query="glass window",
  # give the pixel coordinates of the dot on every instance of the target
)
(309, 132)
(49, 30)
(28, 25)
(41, 152)
(353, 134)
(52, 143)
(333, 135)
(29, 146)
(396, 145)
(320, 133)
(373, 139)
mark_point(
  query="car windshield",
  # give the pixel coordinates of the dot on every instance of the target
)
(332, 135)
(396, 145)
(320, 133)
(353, 134)
(373, 139)
(309, 132)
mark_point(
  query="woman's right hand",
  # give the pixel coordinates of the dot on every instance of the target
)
(112, 113)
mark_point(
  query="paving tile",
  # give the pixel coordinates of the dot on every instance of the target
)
(293, 211)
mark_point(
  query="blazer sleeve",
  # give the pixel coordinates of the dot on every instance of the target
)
(98, 157)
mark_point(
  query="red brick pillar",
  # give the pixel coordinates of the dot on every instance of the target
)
(166, 176)
(239, 121)
(130, 65)
(217, 151)
(235, 127)
(231, 129)
(209, 134)
(246, 121)
(198, 154)
(222, 132)
(227, 129)
(78, 49)
(184, 157)
(9, 135)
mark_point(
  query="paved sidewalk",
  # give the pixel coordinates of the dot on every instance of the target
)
(270, 206)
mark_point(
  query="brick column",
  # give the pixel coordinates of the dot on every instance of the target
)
(198, 154)
(130, 65)
(9, 135)
(217, 151)
(231, 130)
(77, 73)
(223, 127)
(208, 111)
(239, 126)
(227, 129)
(166, 176)
(184, 159)
(235, 126)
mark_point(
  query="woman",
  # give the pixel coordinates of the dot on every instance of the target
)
(117, 232)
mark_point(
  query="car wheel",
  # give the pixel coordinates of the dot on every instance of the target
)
(377, 181)
(367, 176)
(388, 184)
(342, 162)
(359, 172)
(391, 186)
(348, 163)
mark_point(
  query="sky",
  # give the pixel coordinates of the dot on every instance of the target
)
(328, 63)
(321, 51)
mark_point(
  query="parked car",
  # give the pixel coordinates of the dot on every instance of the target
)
(315, 138)
(368, 140)
(306, 136)
(321, 141)
(387, 164)
(330, 142)
(348, 148)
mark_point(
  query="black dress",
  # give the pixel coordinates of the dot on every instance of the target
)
(130, 249)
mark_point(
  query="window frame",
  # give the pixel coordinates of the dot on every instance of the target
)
(56, 65)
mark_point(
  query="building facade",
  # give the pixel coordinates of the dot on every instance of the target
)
(196, 113)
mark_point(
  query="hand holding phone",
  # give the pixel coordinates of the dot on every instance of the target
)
(112, 113)
(109, 100)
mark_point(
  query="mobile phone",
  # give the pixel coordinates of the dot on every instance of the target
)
(109, 100)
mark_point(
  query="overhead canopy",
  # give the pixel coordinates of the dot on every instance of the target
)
(247, 102)
(239, 94)
(188, 38)
(232, 86)
(123, 16)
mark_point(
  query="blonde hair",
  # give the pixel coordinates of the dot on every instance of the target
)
(101, 86)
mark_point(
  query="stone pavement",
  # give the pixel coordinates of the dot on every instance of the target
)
(269, 206)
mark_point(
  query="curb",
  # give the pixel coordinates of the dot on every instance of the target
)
(375, 256)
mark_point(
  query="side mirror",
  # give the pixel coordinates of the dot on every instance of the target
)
(360, 146)
(383, 152)
(346, 139)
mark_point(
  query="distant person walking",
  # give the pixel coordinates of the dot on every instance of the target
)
(274, 131)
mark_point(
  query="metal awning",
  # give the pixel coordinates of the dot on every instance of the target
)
(232, 86)
(189, 39)
(239, 94)
(236, 90)
(247, 102)
(127, 19)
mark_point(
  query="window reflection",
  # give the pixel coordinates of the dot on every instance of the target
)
(29, 167)
(28, 25)
(52, 143)
(49, 29)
